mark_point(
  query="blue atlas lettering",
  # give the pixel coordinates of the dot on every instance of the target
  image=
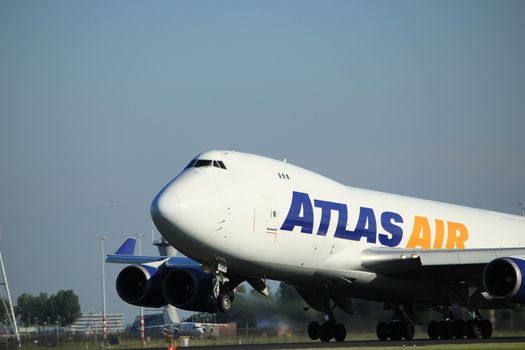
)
(326, 214)
(395, 231)
(301, 203)
(301, 214)
(366, 227)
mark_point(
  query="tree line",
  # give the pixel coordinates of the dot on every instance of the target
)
(63, 307)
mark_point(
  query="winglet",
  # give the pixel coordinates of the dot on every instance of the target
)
(127, 248)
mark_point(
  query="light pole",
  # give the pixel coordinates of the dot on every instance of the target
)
(104, 329)
(37, 330)
(139, 237)
(58, 330)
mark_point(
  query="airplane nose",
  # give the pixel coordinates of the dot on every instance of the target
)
(165, 206)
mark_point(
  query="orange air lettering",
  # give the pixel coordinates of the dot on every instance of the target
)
(457, 235)
(440, 234)
(420, 236)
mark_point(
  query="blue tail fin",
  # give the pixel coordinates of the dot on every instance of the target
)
(127, 248)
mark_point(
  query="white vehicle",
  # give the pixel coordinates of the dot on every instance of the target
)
(242, 217)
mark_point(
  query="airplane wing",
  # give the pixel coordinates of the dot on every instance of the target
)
(427, 264)
(126, 255)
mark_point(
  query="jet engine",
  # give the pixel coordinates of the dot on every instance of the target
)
(503, 279)
(141, 285)
(188, 288)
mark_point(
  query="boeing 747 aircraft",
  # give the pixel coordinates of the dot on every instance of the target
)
(241, 217)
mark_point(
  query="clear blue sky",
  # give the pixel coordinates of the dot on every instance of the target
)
(102, 102)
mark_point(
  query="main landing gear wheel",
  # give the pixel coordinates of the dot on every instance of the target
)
(327, 331)
(340, 332)
(399, 328)
(447, 329)
(395, 330)
(485, 327)
(409, 330)
(473, 330)
(434, 330)
(314, 330)
(459, 329)
(382, 330)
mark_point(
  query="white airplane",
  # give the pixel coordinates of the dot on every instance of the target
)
(242, 217)
(174, 327)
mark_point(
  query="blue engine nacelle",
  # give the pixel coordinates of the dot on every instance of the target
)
(189, 289)
(141, 285)
(503, 279)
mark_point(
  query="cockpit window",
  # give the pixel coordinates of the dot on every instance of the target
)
(200, 163)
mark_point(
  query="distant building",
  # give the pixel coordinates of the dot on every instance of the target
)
(92, 323)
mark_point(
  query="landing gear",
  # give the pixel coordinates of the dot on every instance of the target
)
(479, 328)
(224, 300)
(330, 329)
(457, 328)
(485, 327)
(399, 328)
(460, 327)
(222, 296)
(340, 332)
(314, 330)
(327, 331)
(395, 330)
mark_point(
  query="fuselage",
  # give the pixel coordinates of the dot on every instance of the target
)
(267, 218)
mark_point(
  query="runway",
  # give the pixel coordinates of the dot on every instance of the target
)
(357, 344)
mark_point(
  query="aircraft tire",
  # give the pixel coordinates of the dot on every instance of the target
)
(339, 332)
(473, 330)
(224, 302)
(314, 330)
(382, 331)
(433, 330)
(396, 330)
(408, 330)
(460, 329)
(327, 331)
(485, 327)
(447, 329)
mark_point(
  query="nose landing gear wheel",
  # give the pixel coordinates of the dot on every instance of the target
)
(224, 302)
